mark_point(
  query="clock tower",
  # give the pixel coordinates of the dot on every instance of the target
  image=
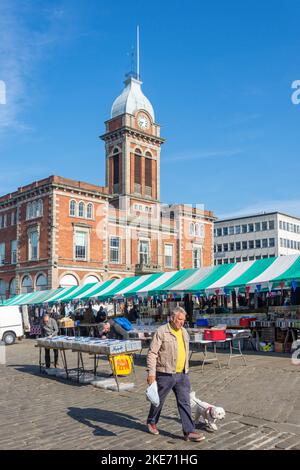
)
(132, 147)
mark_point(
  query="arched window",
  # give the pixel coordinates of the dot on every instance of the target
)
(12, 287)
(197, 230)
(91, 280)
(202, 230)
(72, 208)
(39, 210)
(26, 285)
(34, 208)
(2, 288)
(81, 209)
(192, 229)
(148, 175)
(68, 281)
(29, 213)
(116, 172)
(137, 171)
(41, 282)
(89, 211)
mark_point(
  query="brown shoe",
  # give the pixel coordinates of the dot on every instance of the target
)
(194, 437)
(152, 428)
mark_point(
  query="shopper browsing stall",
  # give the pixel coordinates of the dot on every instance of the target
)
(49, 328)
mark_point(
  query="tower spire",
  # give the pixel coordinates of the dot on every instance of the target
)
(138, 52)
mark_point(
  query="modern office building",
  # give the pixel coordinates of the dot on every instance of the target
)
(257, 236)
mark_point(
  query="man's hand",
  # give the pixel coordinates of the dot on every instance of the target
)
(150, 379)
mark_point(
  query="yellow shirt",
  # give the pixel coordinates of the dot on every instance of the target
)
(181, 350)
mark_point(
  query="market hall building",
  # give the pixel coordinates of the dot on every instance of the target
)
(59, 232)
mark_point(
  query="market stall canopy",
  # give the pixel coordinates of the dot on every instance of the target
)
(268, 273)
(264, 273)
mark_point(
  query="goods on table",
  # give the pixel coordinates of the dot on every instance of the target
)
(90, 345)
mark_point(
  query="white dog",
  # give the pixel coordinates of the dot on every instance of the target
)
(206, 413)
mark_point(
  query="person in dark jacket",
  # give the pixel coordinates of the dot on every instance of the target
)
(133, 314)
(112, 330)
(101, 315)
(49, 328)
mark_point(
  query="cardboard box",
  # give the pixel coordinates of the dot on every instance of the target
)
(278, 347)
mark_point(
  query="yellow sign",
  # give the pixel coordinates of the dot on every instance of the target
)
(121, 364)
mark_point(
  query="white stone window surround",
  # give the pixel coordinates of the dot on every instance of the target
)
(33, 251)
(86, 231)
(171, 264)
(118, 261)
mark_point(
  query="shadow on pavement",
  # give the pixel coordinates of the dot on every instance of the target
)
(35, 370)
(89, 415)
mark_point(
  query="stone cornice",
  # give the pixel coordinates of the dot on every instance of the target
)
(112, 135)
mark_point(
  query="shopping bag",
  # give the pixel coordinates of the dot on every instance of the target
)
(152, 394)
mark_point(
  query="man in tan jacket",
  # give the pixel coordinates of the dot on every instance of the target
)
(168, 364)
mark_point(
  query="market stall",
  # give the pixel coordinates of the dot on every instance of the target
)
(112, 349)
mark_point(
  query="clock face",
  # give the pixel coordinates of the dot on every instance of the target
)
(143, 122)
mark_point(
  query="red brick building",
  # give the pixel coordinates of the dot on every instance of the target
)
(59, 232)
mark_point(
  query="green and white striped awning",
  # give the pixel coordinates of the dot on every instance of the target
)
(265, 273)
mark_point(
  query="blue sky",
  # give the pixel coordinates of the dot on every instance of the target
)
(218, 74)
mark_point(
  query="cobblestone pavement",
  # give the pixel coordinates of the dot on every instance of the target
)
(41, 412)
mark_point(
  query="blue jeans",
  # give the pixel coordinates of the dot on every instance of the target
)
(180, 384)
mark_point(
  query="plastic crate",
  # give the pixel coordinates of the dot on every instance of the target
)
(214, 335)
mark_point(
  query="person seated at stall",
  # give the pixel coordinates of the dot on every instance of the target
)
(49, 328)
(112, 330)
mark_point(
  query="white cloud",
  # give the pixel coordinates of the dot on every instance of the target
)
(21, 47)
(288, 206)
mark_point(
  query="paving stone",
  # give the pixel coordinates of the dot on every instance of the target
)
(261, 413)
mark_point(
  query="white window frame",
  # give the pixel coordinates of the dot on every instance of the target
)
(39, 208)
(199, 259)
(81, 203)
(14, 252)
(144, 240)
(70, 208)
(87, 234)
(91, 214)
(12, 218)
(171, 264)
(30, 231)
(192, 229)
(119, 249)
